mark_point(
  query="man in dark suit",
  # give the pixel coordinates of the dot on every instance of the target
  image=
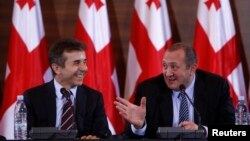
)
(157, 100)
(45, 103)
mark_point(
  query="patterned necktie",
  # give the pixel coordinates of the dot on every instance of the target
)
(183, 113)
(68, 111)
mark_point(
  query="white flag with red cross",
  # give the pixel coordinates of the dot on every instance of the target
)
(94, 31)
(27, 64)
(149, 38)
(216, 44)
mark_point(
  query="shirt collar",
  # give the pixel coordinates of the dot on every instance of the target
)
(189, 90)
(58, 88)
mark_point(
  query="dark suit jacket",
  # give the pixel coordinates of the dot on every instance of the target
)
(211, 98)
(90, 117)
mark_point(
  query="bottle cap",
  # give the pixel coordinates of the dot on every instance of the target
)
(20, 97)
(241, 98)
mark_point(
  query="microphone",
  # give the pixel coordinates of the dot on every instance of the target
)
(2, 138)
(182, 90)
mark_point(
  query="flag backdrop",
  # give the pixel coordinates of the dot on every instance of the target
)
(93, 30)
(216, 44)
(27, 64)
(150, 36)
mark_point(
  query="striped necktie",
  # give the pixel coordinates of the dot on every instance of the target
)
(183, 112)
(68, 111)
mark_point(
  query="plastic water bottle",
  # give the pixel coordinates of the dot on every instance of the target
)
(20, 119)
(241, 112)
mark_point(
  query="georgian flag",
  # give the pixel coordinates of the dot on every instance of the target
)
(150, 36)
(216, 44)
(27, 64)
(93, 30)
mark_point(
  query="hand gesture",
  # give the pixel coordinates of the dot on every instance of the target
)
(132, 113)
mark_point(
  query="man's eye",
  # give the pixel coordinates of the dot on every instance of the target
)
(165, 66)
(77, 62)
(175, 67)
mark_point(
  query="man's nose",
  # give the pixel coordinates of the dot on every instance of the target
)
(83, 67)
(168, 72)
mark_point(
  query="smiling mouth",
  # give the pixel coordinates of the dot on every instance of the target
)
(80, 75)
(171, 78)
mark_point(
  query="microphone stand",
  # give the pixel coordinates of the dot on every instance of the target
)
(182, 90)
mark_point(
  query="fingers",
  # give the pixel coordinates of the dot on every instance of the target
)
(90, 137)
(183, 124)
(143, 102)
(123, 101)
(189, 125)
(121, 107)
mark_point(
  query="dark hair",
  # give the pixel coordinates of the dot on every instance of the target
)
(190, 55)
(63, 45)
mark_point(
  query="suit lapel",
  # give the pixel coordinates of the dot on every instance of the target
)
(166, 108)
(165, 104)
(200, 99)
(81, 99)
(51, 102)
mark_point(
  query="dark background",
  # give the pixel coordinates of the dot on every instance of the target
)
(60, 16)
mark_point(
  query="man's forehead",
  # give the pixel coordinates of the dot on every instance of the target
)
(76, 55)
(169, 61)
(82, 56)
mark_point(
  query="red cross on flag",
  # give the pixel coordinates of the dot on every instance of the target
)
(216, 44)
(93, 30)
(27, 64)
(150, 36)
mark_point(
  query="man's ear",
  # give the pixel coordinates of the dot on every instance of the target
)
(193, 68)
(56, 68)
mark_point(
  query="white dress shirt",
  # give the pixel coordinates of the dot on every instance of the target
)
(60, 101)
(177, 102)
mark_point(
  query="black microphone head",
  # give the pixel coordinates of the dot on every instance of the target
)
(2, 138)
(182, 88)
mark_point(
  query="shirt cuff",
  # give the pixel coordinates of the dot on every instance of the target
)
(141, 131)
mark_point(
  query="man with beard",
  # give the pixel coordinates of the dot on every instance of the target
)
(158, 101)
(46, 104)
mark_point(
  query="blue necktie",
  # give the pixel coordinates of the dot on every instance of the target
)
(183, 113)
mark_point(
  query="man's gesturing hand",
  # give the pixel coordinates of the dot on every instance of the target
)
(132, 113)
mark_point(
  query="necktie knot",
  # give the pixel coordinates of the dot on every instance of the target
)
(181, 95)
(65, 93)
